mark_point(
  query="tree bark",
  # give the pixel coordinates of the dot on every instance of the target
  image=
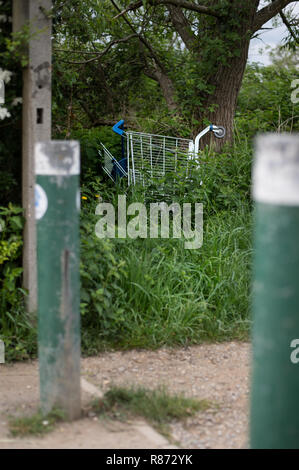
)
(226, 75)
(227, 82)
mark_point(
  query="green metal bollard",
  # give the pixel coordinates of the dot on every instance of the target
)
(57, 207)
(274, 420)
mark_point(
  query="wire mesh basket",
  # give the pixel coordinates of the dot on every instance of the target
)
(110, 165)
(150, 157)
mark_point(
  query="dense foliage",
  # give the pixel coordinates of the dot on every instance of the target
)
(176, 63)
(10, 113)
(16, 329)
(142, 292)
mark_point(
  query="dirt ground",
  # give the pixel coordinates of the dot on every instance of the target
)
(217, 372)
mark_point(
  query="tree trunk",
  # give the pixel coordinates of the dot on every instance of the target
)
(167, 89)
(222, 69)
(220, 107)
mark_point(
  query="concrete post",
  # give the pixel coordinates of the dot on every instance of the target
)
(36, 119)
(57, 207)
(275, 376)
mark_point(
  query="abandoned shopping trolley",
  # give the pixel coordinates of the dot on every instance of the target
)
(151, 156)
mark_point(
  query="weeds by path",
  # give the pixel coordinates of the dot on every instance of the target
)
(36, 425)
(157, 406)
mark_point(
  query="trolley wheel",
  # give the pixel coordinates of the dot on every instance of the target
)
(219, 132)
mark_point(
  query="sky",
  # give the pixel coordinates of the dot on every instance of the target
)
(268, 38)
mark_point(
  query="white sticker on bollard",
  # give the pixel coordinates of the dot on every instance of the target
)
(41, 202)
(276, 170)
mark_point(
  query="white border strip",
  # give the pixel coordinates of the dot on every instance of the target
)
(57, 157)
(275, 174)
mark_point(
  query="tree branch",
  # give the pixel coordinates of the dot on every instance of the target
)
(72, 51)
(131, 7)
(98, 56)
(268, 12)
(141, 38)
(182, 26)
(177, 3)
(289, 27)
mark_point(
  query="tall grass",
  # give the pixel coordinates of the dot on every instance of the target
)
(173, 295)
(158, 292)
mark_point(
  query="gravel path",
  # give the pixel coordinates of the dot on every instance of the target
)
(217, 372)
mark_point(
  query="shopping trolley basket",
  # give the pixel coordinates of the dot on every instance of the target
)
(151, 156)
(111, 166)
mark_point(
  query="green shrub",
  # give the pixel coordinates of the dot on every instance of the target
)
(11, 222)
(16, 331)
(264, 102)
(100, 272)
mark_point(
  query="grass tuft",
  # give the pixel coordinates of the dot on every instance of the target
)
(36, 425)
(156, 406)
